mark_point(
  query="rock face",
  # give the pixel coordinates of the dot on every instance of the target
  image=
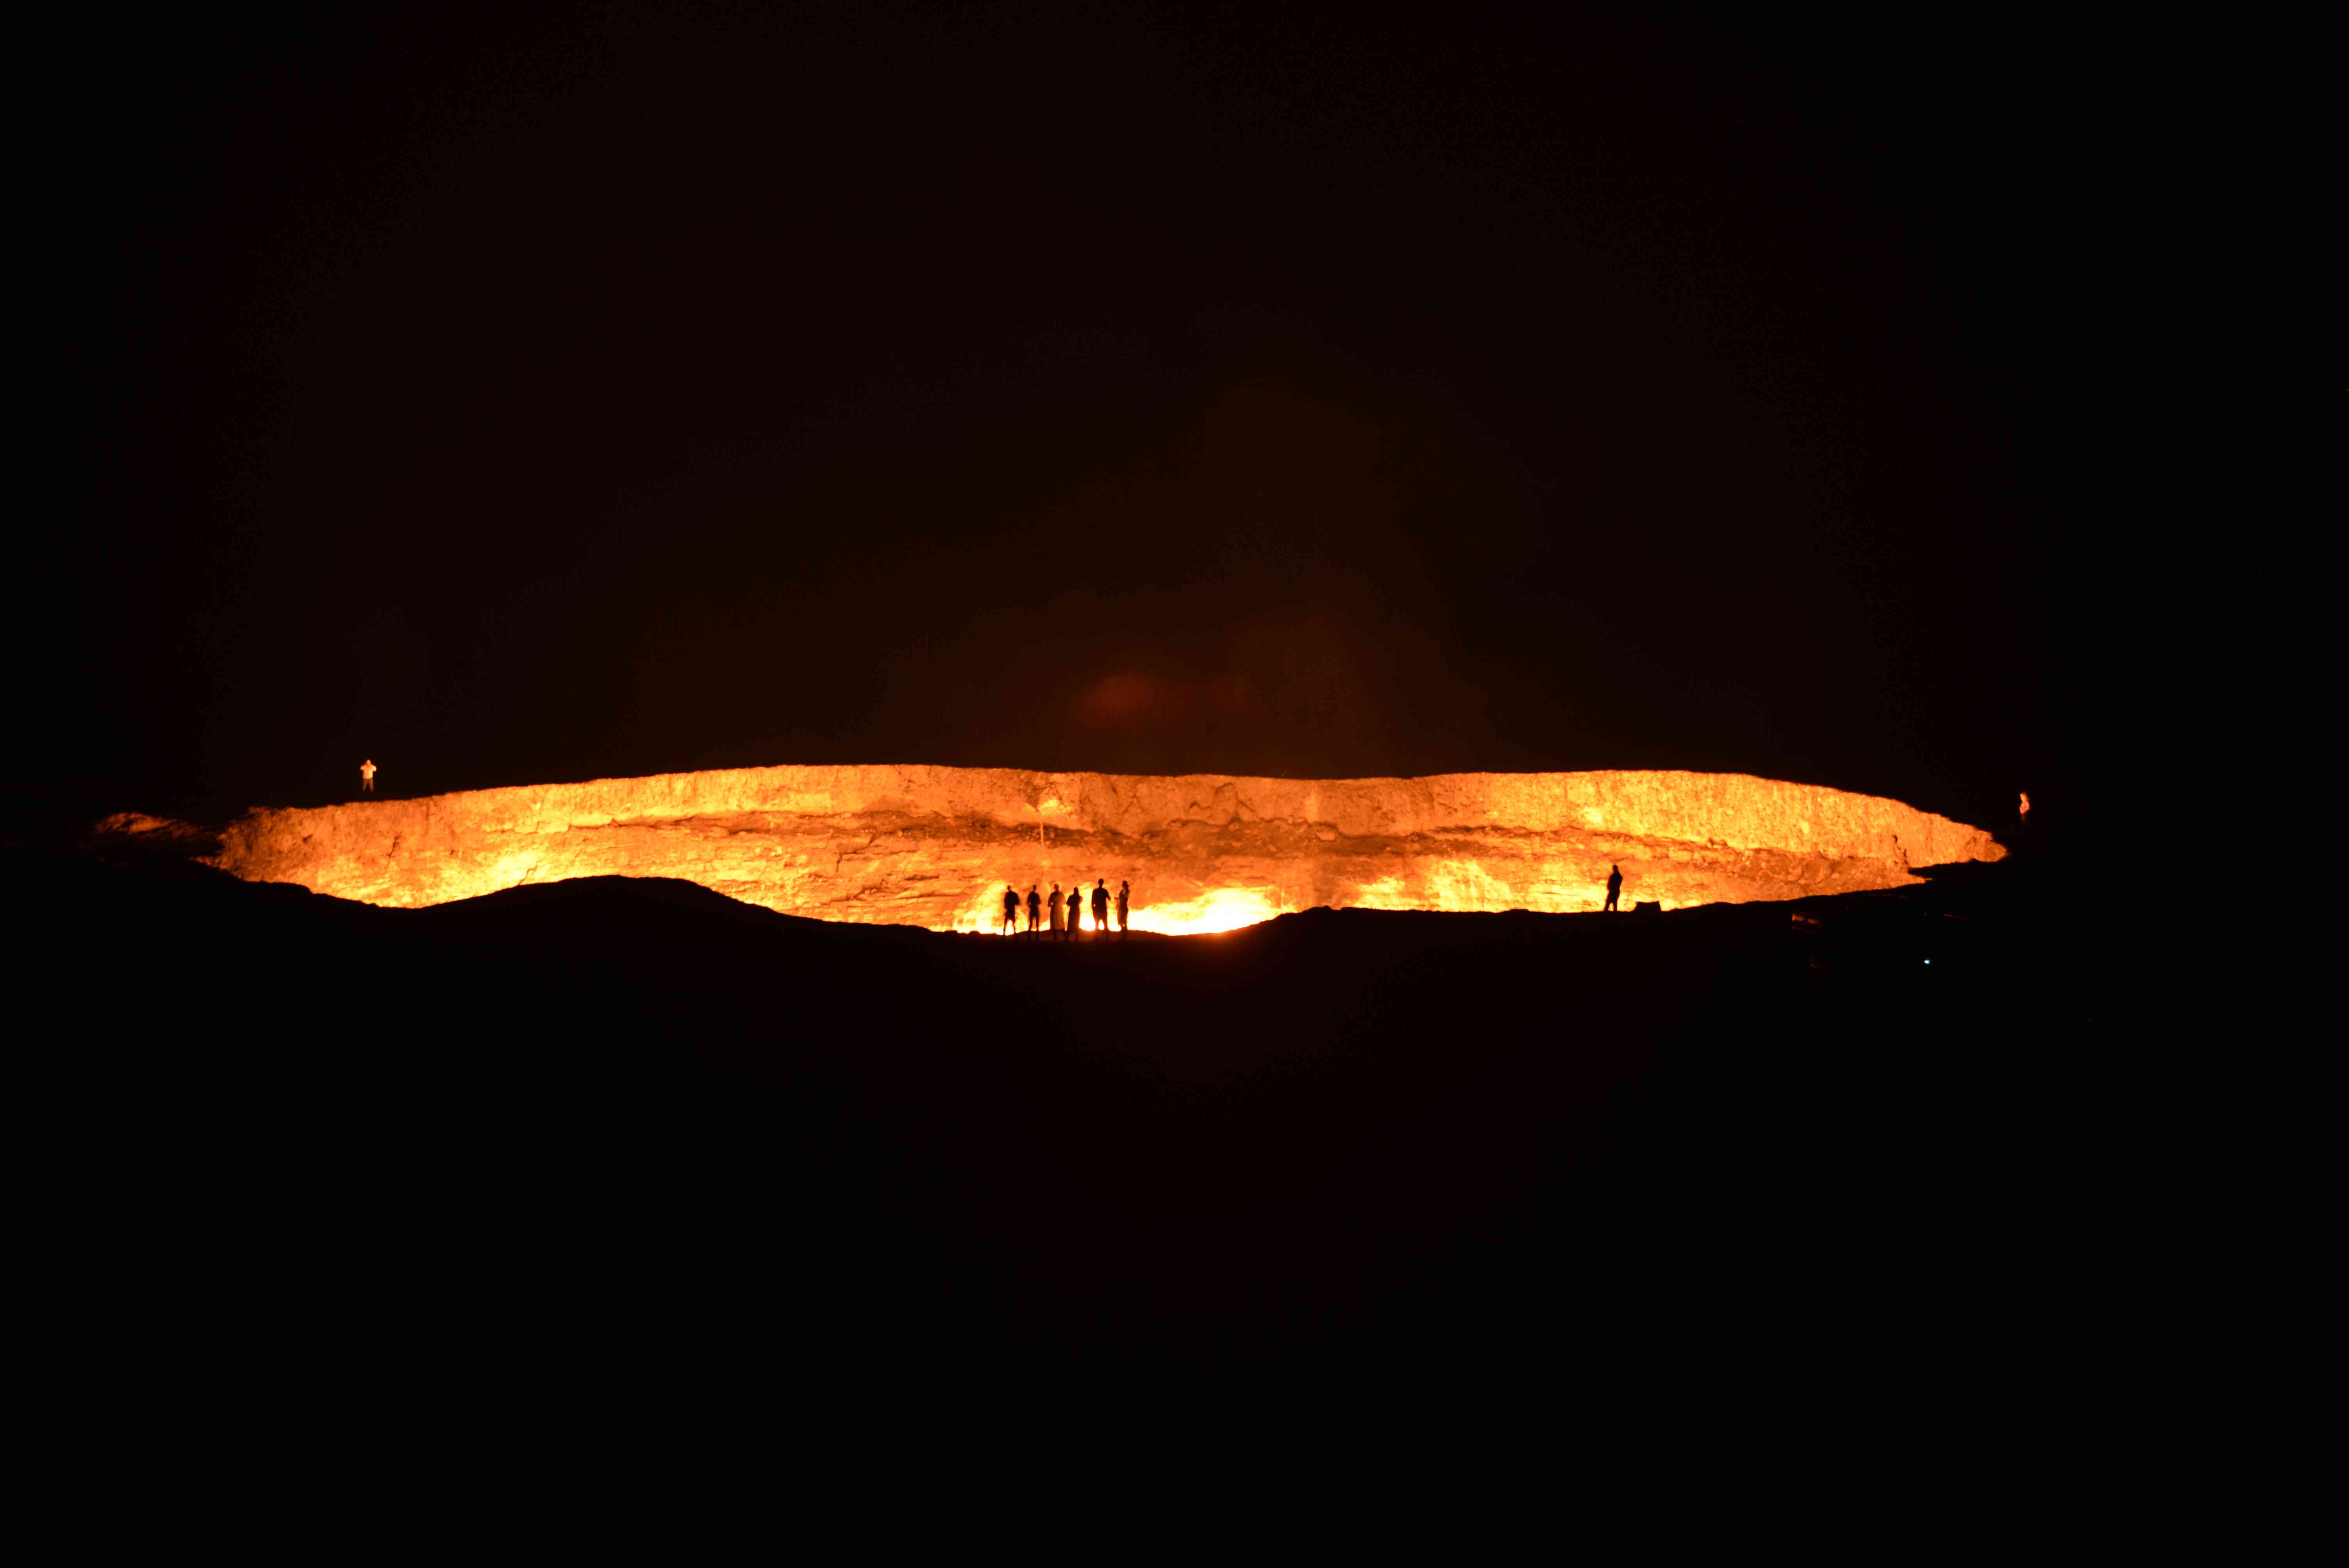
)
(934, 846)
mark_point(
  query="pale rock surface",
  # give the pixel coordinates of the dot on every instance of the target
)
(934, 846)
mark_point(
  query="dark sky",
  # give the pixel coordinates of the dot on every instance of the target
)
(1152, 388)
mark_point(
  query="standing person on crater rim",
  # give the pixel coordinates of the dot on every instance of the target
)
(366, 777)
(1010, 910)
(1076, 910)
(1054, 903)
(1124, 910)
(1101, 907)
(1034, 910)
(1614, 889)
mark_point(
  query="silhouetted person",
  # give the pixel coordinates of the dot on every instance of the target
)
(1076, 912)
(1124, 909)
(366, 777)
(1010, 910)
(1035, 909)
(1101, 906)
(1614, 888)
(1059, 914)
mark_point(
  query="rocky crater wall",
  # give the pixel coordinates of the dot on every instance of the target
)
(934, 846)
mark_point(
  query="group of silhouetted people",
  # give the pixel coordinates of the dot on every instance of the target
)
(1048, 915)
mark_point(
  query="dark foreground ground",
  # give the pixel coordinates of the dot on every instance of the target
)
(565, 1143)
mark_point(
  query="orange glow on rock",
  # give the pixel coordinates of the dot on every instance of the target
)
(935, 846)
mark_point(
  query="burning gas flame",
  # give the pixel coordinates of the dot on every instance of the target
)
(1225, 909)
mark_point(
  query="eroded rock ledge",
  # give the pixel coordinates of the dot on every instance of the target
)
(934, 846)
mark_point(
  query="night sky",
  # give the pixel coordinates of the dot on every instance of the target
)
(1333, 392)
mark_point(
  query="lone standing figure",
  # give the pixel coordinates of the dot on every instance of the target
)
(1101, 906)
(1124, 908)
(1010, 910)
(366, 777)
(1614, 888)
(1054, 905)
(1076, 910)
(1035, 909)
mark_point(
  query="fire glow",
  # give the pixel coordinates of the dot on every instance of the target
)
(1225, 909)
(934, 847)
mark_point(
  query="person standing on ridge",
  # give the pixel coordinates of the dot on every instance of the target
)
(1101, 907)
(1035, 909)
(1614, 889)
(366, 777)
(1010, 910)
(1124, 909)
(1076, 910)
(1054, 903)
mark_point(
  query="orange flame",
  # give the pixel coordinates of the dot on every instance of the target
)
(1225, 909)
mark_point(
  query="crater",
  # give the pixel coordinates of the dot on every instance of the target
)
(935, 846)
